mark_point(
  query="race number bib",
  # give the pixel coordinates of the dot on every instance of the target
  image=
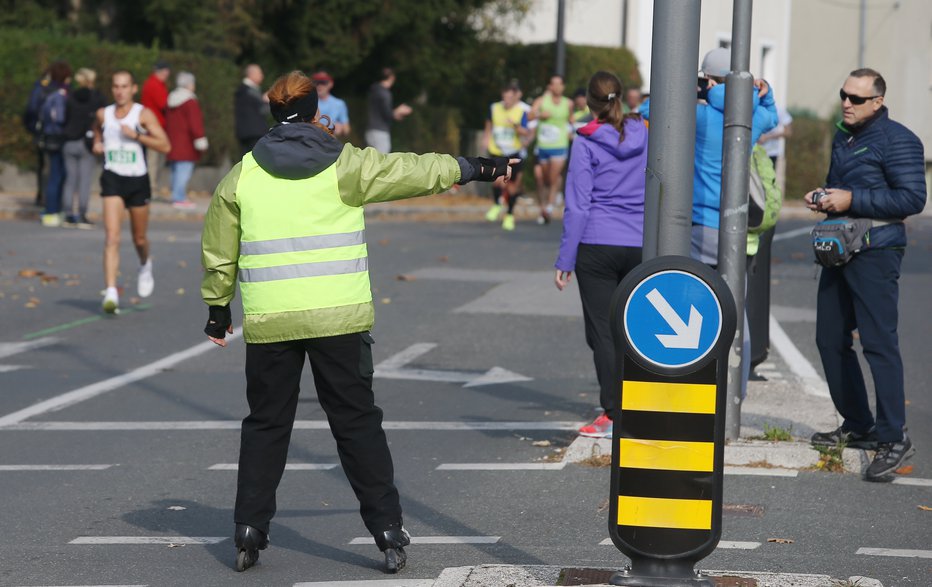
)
(547, 133)
(504, 138)
(121, 156)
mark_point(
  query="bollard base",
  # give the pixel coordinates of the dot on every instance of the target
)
(660, 573)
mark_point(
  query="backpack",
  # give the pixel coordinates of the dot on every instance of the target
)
(51, 123)
(765, 198)
(37, 98)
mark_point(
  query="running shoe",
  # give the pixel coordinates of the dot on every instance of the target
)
(890, 456)
(145, 283)
(51, 220)
(492, 214)
(848, 438)
(111, 301)
(71, 221)
(508, 223)
(601, 427)
(84, 224)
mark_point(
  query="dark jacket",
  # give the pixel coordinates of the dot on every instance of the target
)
(249, 110)
(381, 113)
(881, 163)
(80, 112)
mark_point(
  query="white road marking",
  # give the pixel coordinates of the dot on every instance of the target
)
(8, 368)
(108, 585)
(912, 481)
(394, 368)
(370, 583)
(792, 233)
(501, 467)
(89, 391)
(54, 467)
(148, 539)
(798, 363)
(761, 471)
(288, 467)
(437, 540)
(299, 425)
(8, 349)
(895, 552)
(727, 544)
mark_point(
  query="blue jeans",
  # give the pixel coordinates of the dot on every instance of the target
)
(56, 180)
(181, 175)
(863, 295)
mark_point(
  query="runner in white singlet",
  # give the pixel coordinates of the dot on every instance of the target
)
(122, 133)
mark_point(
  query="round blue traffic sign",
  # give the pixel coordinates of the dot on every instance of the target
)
(672, 319)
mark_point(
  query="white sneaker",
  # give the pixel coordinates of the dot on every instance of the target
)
(111, 300)
(145, 283)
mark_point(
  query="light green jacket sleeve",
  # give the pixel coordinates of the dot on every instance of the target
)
(220, 242)
(367, 176)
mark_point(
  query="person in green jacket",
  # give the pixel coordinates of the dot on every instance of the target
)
(287, 223)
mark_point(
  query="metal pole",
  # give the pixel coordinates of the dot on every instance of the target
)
(862, 34)
(560, 68)
(672, 146)
(624, 23)
(733, 222)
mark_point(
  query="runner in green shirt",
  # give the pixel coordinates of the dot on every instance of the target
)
(554, 112)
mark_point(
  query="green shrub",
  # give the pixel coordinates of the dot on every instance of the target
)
(25, 54)
(808, 153)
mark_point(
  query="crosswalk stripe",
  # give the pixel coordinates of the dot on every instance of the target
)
(448, 426)
(54, 467)
(148, 540)
(912, 481)
(726, 544)
(501, 467)
(288, 467)
(761, 471)
(370, 583)
(437, 540)
(895, 552)
(108, 585)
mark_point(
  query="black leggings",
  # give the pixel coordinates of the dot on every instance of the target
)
(599, 270)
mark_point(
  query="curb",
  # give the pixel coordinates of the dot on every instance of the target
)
(547, 576)
(741, 453)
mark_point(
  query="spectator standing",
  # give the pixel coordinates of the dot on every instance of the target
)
(382, 113)
(321, 310)
(80, 162)
(554, 114)
(774, 141)
(155, 97)
(51, 139)
(40, 91)
(603, 225)
(633, 99)
(581, 114)
(250, 109)
(877, 171)
(185, 130)
(330, 106)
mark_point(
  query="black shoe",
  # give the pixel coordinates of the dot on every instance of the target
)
(71, 221)
(249, 541)
(392, 542)
(84, 224)
(842, 437)
(889, 457)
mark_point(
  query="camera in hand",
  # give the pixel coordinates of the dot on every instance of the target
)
(817, 197)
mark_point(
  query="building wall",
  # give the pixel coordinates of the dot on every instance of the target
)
(588, 22)
(898, 45)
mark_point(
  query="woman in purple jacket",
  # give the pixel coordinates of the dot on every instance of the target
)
(603, 223)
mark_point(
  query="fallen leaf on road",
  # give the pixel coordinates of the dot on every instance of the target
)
(35, 301)
(180, 291)
(603, 505)
(541, 443)
(781, 540)
(386, 300)
(176, 508)
(48, 279)
(72, 283)
(905, 470)
(182, 264)
(405, 277)
(924, 508)
(384, 241)
(443, 259)
(134, 300)
(30, 305)
(173, 545)
(30, 273)
(172, 238)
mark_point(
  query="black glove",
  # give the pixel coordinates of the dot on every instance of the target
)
(218, 321)
(482, 168)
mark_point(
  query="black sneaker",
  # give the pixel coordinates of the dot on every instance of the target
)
(84, 224)
(890, 456)
(70, 221)
(842, 437)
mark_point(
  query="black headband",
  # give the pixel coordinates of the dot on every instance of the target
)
(301, 110)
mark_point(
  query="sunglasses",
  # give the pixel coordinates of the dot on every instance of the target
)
(855, 100)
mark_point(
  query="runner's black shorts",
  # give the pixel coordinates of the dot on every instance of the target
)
(135, 191)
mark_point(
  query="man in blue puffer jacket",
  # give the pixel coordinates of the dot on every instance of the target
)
(877, 172)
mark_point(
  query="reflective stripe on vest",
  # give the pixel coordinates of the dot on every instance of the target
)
(301, 247)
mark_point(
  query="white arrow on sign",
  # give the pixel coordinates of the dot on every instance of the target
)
(394, 368)
(687, 335)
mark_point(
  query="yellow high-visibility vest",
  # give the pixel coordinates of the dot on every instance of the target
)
(301, 247)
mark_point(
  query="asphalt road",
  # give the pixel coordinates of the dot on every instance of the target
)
(154, 416)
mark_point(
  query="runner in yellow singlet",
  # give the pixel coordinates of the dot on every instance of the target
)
(554, 112)
(506, 135)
